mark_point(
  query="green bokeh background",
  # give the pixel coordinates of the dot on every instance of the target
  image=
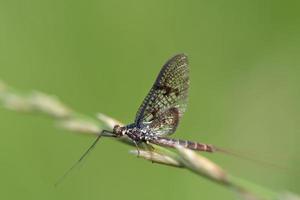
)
(103, 56)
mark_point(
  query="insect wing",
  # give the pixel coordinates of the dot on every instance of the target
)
(165, 122)
(167, 100)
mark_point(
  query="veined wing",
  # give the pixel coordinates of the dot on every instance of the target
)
(167, 99)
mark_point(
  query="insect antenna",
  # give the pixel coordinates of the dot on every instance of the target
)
(103, 133)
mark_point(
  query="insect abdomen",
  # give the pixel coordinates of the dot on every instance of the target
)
(200, 146)
(170, 142)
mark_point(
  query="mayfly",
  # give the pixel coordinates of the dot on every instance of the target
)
(160, 112)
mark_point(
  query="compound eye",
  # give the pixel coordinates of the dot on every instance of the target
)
(118, 130)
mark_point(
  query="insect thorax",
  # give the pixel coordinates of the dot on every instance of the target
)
(137, 134)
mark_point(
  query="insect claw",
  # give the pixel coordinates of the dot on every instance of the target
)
(150, 149)
(137, 148)
(138, 155)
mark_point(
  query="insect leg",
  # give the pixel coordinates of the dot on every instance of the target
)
(137, 148)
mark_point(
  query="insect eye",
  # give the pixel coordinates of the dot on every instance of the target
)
(117, 129)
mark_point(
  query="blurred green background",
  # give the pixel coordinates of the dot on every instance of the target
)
(103, 56)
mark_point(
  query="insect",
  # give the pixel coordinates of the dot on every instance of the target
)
(161, 111)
